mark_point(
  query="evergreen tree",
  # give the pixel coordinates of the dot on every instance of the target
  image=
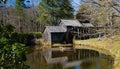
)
(55, 10)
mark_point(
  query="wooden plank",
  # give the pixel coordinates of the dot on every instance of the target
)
(61, 45)
(62, 49)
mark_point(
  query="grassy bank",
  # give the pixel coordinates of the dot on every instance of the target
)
(109, 44)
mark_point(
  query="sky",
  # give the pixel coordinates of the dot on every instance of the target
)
(75, 3)
(35, 2)
(12, 2)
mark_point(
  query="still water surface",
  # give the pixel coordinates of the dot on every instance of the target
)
(89, 60)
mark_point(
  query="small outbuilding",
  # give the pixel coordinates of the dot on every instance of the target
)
(54, 34)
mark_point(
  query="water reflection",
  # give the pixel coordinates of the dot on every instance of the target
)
(88, 60)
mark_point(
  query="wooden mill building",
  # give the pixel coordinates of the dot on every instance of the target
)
(54, 34)
(66, 30)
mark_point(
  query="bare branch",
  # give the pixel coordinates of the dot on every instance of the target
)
(113, 4)
(94, 2)
(116, 9)
(116, 4)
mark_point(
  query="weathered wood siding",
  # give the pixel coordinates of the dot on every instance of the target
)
(47, 35)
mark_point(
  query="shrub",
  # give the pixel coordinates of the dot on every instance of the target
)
(37, 34)
(12, 54)
(26, 38)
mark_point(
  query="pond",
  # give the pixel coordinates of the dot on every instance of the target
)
(88, 59)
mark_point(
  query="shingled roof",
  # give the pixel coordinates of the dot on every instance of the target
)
(71, 23)
(56, 29)
(87, 25)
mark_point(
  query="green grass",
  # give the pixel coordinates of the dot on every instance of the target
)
(112, 45)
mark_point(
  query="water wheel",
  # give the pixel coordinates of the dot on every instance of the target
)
(69, 36)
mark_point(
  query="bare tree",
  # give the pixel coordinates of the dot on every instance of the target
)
(102, 13)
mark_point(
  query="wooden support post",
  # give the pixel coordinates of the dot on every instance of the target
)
(78, 33)
(84, 52)
(92, 53)
(89, 53)
(79, 54)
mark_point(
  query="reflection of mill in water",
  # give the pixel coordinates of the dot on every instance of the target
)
(75, 58)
